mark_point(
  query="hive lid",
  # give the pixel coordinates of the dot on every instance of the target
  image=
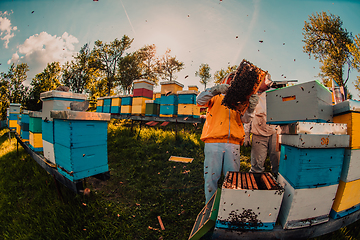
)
(187, 92)
(346, 106)
(26, 112)
(144, 80)
(314, 128)
(315, 140)
(172, 82)
(15, 105)
(35, 114)
(61, 94)
(75, 115)
(149, 101)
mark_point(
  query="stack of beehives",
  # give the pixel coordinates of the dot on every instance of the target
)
(126, 107)
(312, 152)
(143, 91)
(169, 98)
(347, 198)
(35, 131)
(24, 132)
(14, 112)
(187, 103)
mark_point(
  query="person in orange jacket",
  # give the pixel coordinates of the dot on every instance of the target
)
(223, 133)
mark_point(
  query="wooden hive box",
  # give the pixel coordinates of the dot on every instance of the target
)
(35, 122)
(144, 84)
(352, 119)
(143, 92)
(171, 86)
(125, 109)
(169, 100)
(249, 201)
(107, 105)
(24, 132)
(126, 101)
(305, 207)
(80, 143)
(99, 105)
(309, 101)
(115, 105)
(312, 160)
(168, 110)
(57, 101)
(193, 87)
(347, 199)
(351, 167)
(188, 110)
(35, 131)
(35, 142)
(187, 97)
(14, 108)
(152, 109)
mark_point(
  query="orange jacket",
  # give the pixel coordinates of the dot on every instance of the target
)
(222, 124)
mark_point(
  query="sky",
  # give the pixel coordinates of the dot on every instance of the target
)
(268, 33)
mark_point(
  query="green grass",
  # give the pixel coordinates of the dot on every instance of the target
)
(143, 186)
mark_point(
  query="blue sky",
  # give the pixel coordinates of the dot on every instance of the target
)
(219, 33)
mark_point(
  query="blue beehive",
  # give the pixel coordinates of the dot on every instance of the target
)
(187, 97)
(80, 143)
(107, 105)
(126, 101)
(169, 100)
(24, 132)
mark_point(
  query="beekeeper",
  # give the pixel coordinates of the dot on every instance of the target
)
(263, 135)
(223, 133)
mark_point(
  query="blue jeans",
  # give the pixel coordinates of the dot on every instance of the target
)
(219, 158)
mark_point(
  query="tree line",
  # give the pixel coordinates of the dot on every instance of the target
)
(108, 68)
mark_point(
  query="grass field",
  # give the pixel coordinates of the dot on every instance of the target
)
(143, 186)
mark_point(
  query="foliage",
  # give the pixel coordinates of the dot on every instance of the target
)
(12, 89)
(221, 74)
(129, 70)
(327, 40)
(204, 73)
(355, 51)
(149, 63)
(48, 80)
(108, 56)
(168, 66)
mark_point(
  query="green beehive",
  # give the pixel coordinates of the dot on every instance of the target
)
(152, 108)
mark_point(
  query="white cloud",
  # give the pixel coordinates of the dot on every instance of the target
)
(6, 30)
(40, 49)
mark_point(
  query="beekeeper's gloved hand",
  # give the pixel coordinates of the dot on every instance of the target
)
(220, 88)
(247, 139)
(253, 101)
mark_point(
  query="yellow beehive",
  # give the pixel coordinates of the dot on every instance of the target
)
(100, 102)
(116, 101)
(18, 129)
(347, 196)
(125, 109)
(352, 119)
(35, 140)
(156, 95)
(139, 101)
(171, 86)
(193, 87)
(13, 124)
(188, 109)
(138, 109)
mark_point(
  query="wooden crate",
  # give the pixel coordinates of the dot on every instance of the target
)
(116, 101)
(305, 207)
(352, 119)
(80, 143)
(171, 86)
(309, 101)
(249, 201)
(347, 199)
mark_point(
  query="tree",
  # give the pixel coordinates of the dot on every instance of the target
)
(355, 51)
(204, 73)
(45, 81)
(108, 56)
(12, 89)
(148, 63)
(129, 70)
(168, 66)
(80, 73)
(219, 75)
(328, 41)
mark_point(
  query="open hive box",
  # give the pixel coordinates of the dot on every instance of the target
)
(249, 201)
(247, 81)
